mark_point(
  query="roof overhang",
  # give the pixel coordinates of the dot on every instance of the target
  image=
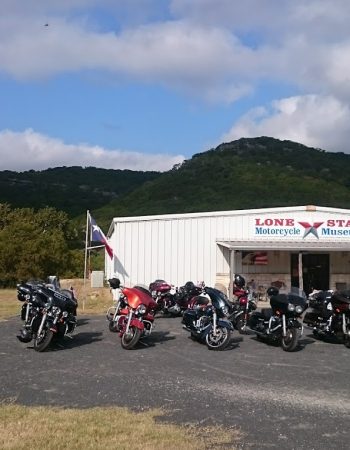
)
(316, 246)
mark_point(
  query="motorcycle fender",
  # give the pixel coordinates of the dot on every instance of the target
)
(137, 323)
(225, 324)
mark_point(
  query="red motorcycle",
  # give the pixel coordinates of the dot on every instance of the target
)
(135, 315)
(163, 294)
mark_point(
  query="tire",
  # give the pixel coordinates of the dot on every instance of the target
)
(220, 340)
(347, 338)
(239, 325)
(129, 340)
(112, 326)
(41, 343)
(290, 342)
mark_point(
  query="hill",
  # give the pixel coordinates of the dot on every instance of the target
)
(247, 173)
(70, 189)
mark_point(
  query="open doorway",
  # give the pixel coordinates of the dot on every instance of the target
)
(315, 271)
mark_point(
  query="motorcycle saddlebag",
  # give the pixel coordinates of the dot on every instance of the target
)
(340, 297)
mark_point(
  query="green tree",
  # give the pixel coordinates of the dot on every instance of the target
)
(36, 244)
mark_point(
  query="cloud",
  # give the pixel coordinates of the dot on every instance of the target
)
(316, 121)
(216, 50)
(30, 150)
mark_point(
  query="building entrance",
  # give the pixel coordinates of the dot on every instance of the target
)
(315, 269)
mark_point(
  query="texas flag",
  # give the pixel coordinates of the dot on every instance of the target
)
(97, 235)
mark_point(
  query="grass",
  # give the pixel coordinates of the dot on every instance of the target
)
(9, 305)
(52, 428)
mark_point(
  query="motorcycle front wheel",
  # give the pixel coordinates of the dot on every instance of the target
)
(218, 340)
(130, 339)
(290, 341)
(43, 341)
(113, 326)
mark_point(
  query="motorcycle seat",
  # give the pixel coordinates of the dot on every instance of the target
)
(265, 313)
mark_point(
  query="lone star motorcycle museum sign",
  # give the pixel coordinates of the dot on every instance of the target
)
(292, 228)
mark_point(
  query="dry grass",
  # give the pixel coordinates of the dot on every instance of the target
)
(52, 428)
(91, 300)
(9, 305)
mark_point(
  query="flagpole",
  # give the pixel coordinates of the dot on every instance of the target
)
(85, 259)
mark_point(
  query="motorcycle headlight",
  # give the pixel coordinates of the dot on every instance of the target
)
(298, 309)
(291, 307)
(48, 304)
(141, 309)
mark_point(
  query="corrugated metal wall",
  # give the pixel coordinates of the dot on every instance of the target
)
(183, 247)
(176, 250)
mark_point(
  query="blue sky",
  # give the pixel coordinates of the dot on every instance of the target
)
(144, 84)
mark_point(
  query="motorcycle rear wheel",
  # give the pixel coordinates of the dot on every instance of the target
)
(347, 339)
(130, 339)
(43, 341)
(218, 341)
(290, 341)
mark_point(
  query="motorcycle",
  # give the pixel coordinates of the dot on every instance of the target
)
(163, 294)
(173, 301)
(329, 315)
(280, 324)
(207, 319)
(242, 308)
(46, 313)
(133, 317)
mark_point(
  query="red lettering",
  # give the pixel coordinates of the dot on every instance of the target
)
(330, 223)
(275, 222)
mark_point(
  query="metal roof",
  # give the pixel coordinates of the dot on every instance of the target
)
(318, 246)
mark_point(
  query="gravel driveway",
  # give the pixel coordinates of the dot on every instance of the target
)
(280, 400)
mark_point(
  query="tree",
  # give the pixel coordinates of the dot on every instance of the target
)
(36, 244)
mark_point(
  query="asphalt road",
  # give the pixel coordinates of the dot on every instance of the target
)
(279, 400)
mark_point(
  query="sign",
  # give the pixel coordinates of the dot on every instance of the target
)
(292, 228)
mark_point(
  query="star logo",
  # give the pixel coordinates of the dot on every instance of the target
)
(310, 229)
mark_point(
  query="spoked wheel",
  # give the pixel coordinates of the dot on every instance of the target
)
(218, 340)
(290, 341)
(42, 341)
(130, 339)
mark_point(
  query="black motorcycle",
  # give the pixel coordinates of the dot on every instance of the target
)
(329, 315)
(280, 323)
(46, 313)
(207, 319)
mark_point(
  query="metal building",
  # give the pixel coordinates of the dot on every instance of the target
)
(303, 246)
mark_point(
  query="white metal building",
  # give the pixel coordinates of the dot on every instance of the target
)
(303, 246)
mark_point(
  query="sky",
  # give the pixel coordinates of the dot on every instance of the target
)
(145, 84)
